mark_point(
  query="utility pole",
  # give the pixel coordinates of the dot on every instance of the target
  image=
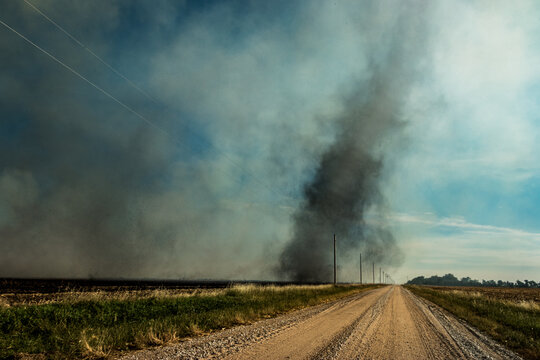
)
(383, 278)
(335, 275)
(373, 272)
(380, 275)
(360, 268)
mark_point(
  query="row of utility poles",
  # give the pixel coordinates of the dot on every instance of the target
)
(384, 278)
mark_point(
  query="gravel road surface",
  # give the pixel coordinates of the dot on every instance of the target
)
(385, 323)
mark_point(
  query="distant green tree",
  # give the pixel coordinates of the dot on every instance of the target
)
(451, 280)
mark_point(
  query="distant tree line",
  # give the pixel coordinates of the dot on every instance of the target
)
(451, 280)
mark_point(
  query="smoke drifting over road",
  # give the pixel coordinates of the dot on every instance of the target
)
(346, 183)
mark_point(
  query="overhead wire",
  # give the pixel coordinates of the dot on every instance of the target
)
(82, 45)
(133, 85)
(78, 42)
(125, 106)
(109, 95)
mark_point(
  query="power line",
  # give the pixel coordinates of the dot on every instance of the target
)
(89, 50)
(132, 84)
(82, 45)
(82, 77)
(134, 112)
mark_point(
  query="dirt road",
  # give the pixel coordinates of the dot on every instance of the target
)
(386, 323)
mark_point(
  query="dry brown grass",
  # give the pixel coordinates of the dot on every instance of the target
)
(156, 337)
(498, 293)
(246, 288)
(100, 295)
(11, 299)
(95, 346)
(195, 329)
(31, 357)
(4, 302)
(525, 304)
(467, 294)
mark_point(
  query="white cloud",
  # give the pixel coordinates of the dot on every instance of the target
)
(461, 224)
(452, 244)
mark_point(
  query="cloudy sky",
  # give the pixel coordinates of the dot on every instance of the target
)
(183, 151)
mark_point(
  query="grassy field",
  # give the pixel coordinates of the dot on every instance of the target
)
(98, 325)
(514, 295)
(511, 316)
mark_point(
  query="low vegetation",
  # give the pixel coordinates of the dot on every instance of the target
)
(99, 325)
(451, 280)
(515, 321)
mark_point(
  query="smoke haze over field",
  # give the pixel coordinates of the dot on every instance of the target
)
(284, 122)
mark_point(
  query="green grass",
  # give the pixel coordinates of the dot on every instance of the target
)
(515, 325)
(98, 328)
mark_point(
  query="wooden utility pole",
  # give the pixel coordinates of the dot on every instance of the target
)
(373, 273)
(335, 275)
(360, 268)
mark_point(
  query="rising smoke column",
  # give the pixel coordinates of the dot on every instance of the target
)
(86, 189)
(346, 182)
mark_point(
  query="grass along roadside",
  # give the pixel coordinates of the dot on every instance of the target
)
(17, 299)
(100, 327)
(514, 324)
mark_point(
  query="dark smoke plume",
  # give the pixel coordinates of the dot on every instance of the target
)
(346, 183)
(88, 189)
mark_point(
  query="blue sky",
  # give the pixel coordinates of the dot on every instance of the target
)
(475, 167)
(263, 83)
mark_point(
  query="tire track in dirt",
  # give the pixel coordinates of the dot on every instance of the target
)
(472, 343)
(311, 338)
(365, 319)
